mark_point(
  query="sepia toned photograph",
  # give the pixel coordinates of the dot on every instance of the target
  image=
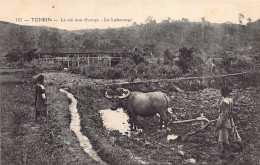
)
(130, 82)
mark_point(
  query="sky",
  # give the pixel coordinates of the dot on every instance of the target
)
(90, 14)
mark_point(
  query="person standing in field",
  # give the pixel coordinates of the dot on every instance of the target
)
(227, 132)
(40, 98)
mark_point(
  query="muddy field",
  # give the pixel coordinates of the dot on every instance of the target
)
(26, 142)
(151, 145)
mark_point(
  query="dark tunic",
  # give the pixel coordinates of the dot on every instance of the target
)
(40, 99)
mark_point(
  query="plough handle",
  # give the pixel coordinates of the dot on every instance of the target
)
(186, 136)
(191, 120)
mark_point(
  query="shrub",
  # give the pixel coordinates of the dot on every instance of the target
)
(241, 64)
(114, 73)
(16, 55)
(95, 71)
(13, 56)
(44, 65)
(167, 71)
(185, 59)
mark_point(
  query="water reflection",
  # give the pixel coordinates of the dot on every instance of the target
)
(115, 120)
(172, 137)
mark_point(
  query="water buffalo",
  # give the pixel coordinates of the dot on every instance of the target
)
(141, 104)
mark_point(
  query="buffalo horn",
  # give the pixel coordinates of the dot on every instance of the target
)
(108, 96)
(125, 94)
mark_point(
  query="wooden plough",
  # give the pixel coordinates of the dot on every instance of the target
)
(202, 119)
(189, 134)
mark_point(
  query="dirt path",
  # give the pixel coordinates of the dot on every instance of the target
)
(25, 142)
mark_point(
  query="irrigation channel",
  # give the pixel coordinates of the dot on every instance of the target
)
(75, 127)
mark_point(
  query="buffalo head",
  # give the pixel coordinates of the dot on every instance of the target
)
(117, 97)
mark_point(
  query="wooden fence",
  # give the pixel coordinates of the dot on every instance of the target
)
(79, 60)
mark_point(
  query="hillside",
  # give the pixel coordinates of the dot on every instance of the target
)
(206, 38)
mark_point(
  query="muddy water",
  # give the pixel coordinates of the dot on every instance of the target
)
(75, 127)
(172, 137)
(115, 120)
(118, 120)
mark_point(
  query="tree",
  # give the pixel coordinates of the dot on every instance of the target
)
(55, 40)
(43, 39)
(184, 20)
(249, 21)
(185, 59)
(150, 20)
(20, 55)
(168, 57)
(240, 18)
(168, 20)
(202, 28)
(203, 19)
(13, 56)
(134, 24)
(50, 40)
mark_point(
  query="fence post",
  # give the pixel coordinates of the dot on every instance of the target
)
(88, 60)
(78, 60)
(109, 63)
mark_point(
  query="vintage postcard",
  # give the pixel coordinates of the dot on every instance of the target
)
(130, 82)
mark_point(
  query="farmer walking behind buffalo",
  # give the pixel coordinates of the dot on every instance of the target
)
(40, 98)
(229, 139)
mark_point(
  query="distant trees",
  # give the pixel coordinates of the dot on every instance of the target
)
(163, 40)
(158, 37)
(16, 55)
(21, 44)
(50, 40)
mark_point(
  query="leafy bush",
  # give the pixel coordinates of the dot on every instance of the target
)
(16, 55)
(167, 71)
(127, 69)
(242, 64)
(95, 71)
(115, 73)
(13, 56)
(185, 59)
(43, 65)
